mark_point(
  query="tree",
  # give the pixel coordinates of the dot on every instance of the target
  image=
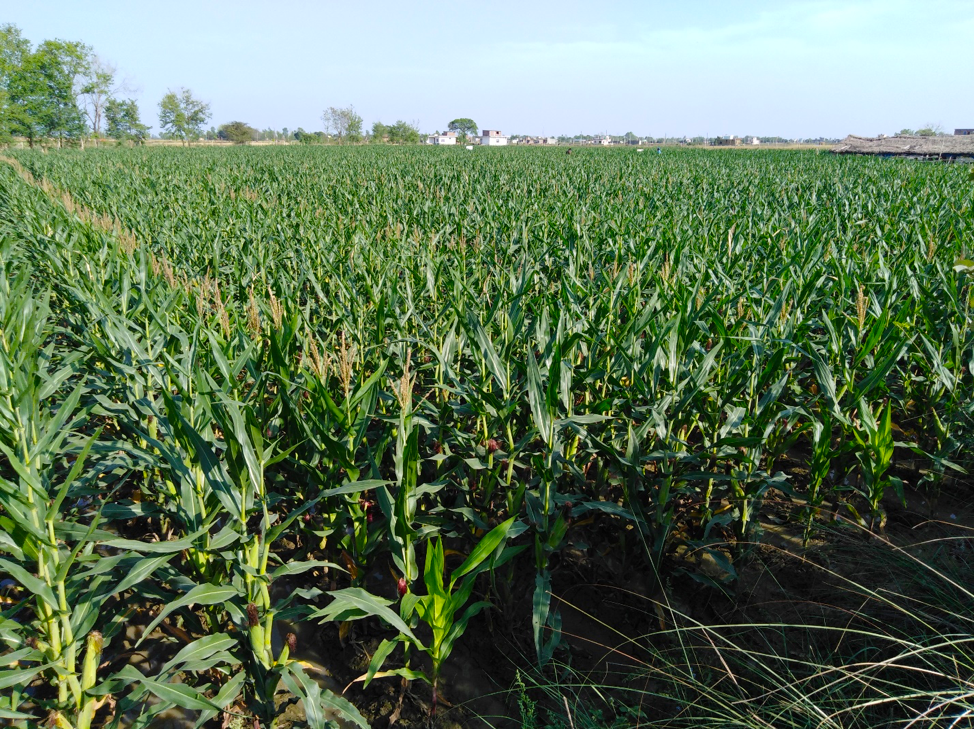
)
(13, 49)
(345, 123)
(906, 133)
(379, 132)
(41, 92)
(464, 127)
(237, 132)
(122, 121)
(309, 137)
(403, 133)
(182, 116)
(931, 129)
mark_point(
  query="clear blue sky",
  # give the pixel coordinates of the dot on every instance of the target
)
(796, 69)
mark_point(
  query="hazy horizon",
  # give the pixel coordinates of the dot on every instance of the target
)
(708, 68)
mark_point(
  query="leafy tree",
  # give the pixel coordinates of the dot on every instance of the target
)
(379, 132)
(906, 132)
(237, 132)
(403, 133)
(309, 137)
(13, 49)
(182, 116)
(463, 127)
(122, 121)
(344, 123)
(41, 92)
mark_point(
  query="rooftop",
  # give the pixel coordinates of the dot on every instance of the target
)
(943, 146)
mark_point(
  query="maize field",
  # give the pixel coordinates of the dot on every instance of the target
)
(404, 395)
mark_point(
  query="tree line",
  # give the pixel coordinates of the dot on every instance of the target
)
(64, 92)
(61, 90)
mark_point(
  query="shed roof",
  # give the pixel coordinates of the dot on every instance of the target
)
(953, 146)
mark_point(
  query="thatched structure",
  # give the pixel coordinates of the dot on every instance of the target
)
(914, 147)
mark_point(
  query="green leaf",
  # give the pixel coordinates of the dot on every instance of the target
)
(435, 566)
(296, 568)
(179, 694)
(172, 547)
(32, 584)
(205, 594)
(540, 608)
(19, 676)
(359, 599)
(826, 381)
(316, 703)
(378, 658)
(488, 544)
(200, 650)
(231, 689)
(537, 400)
(141, 570)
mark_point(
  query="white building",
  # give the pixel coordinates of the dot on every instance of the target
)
(604, 141)
(442, 138)
(492, 138)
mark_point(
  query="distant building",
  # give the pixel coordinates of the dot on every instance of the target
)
(492, 138)
(752, 140)
(605, 141)
(549, 140)
(442, 138)
(963, 132)
(727, 142)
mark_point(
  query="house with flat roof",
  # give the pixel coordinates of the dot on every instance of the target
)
(963, 132)
(492, 138)
(442, 138)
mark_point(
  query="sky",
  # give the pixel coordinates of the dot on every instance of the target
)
(797, 69)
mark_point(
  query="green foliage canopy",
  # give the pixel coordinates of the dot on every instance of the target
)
(182, 116)
(463, 126)
(344, 123)
(38, 99)
(122, 121)
(237, 132)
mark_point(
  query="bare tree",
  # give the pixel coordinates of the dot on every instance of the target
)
(98, 86)
(344, 123)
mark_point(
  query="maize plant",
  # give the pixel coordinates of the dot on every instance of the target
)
(262, 384)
